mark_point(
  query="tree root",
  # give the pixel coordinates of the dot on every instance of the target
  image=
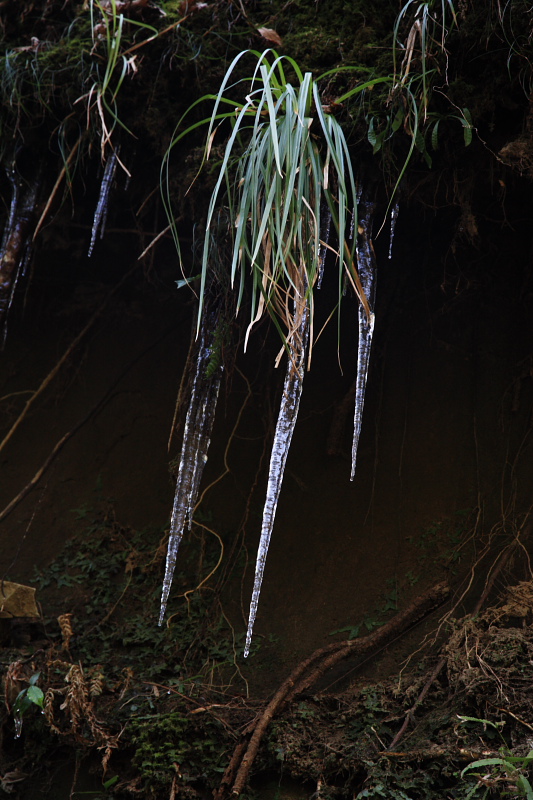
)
(430, 753)
(306, 675)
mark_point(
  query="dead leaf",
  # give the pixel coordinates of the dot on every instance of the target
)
(270, 35)
(17, 600)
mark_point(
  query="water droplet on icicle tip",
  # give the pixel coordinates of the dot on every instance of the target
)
(18, 727)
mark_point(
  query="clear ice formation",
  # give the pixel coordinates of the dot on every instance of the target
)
(100, 215)
(288, 413)
(325, 229)
(196, 439)
(204, 394)
(366, 266)
(15, 250)
(393, 219)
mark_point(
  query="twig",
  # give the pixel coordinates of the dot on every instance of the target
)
(502, 560)
(154, 241)
(40, 472)
(420, 699)
(439, 752)
(56, 187)
(64, 439)
(207, 577)
(154, 37)
(66, 355)
(232, 767)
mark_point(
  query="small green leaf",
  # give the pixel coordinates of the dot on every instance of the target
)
(435, 136)
(371, 134)
(36, 696)
(524, 786)
(472, 791)
(398, 120)
(187, 281)
(380, 138)
(484, 762)
(468, 126)
(419, 141)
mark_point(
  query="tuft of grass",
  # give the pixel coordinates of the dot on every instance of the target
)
(286, 163)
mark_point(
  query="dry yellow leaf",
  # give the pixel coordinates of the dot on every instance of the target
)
(270, 35)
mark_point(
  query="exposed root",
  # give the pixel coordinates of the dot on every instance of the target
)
(502, 560)
(308, 672)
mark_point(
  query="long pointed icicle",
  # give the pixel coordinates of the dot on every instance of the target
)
(366, 266)
(288, 413)
(325, 230)
(100, 215)
(196, 439)
(393, 219)
(15, 250)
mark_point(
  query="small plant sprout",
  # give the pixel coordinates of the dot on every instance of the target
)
(29, 697)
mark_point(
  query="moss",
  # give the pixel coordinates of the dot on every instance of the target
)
(320, 36)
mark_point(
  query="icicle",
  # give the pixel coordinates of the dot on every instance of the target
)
(196, 439)
(288, 412)
(325, 227)
(16, 183)
(100, 215)
(352, 224)
(366, 265)
(366, 330)
(393, 219)
(16, 248)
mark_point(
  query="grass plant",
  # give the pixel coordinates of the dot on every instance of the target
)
(287, 160)
(111, 68)
(505, 774)
(285, 163)
(428, 24)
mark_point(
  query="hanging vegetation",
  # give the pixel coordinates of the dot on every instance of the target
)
(285, 175)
